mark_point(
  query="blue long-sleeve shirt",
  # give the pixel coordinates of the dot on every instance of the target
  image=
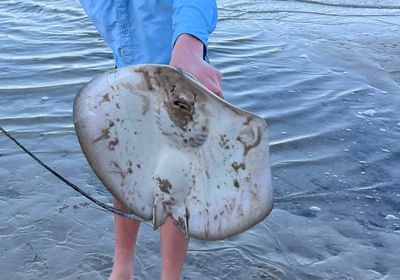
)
(144, 31)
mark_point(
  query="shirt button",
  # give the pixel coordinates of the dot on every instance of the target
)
(124, 31)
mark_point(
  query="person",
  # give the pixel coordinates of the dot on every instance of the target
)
(171, 32)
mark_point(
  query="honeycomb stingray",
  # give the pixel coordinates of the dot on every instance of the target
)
(164, 145)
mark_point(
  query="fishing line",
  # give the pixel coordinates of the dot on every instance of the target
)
(75, 187)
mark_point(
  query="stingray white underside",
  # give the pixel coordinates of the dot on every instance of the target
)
(164, 145)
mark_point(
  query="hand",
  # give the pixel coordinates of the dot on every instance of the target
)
(188, 55)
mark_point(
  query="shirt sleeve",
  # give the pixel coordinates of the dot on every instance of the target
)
(195, 17)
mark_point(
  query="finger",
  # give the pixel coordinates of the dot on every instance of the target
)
(217, 79)
(216, 89)
(219, 74)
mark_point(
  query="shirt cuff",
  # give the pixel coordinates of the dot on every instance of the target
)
(196, 17)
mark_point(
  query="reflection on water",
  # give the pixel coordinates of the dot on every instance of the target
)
(325, 74)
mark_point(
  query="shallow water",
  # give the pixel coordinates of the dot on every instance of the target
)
(325, 75)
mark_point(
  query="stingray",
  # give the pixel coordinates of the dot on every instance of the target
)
(164, 145)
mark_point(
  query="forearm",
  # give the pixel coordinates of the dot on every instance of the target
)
(187, 46)
(195, 17)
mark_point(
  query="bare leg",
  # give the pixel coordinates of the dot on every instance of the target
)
(173, 250)
(126, 231)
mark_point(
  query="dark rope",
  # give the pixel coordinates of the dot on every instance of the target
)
(75, 187)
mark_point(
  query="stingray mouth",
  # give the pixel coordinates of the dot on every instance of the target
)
(182, 105)
(182, 109)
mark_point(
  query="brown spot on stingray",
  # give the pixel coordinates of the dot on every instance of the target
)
(227, 209)
(147, 79)
(236, 166)
(240, 210)
(105, 133)
(164, 185)
(248, 120)
(112, 144)
(106, 98)
(236, 184)
(128, 86)
(254, 195)
(223, 141)
(232, 205)
(181, 223)
(249, 146)
(146, 104)
(129, 167)
(119, 171)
